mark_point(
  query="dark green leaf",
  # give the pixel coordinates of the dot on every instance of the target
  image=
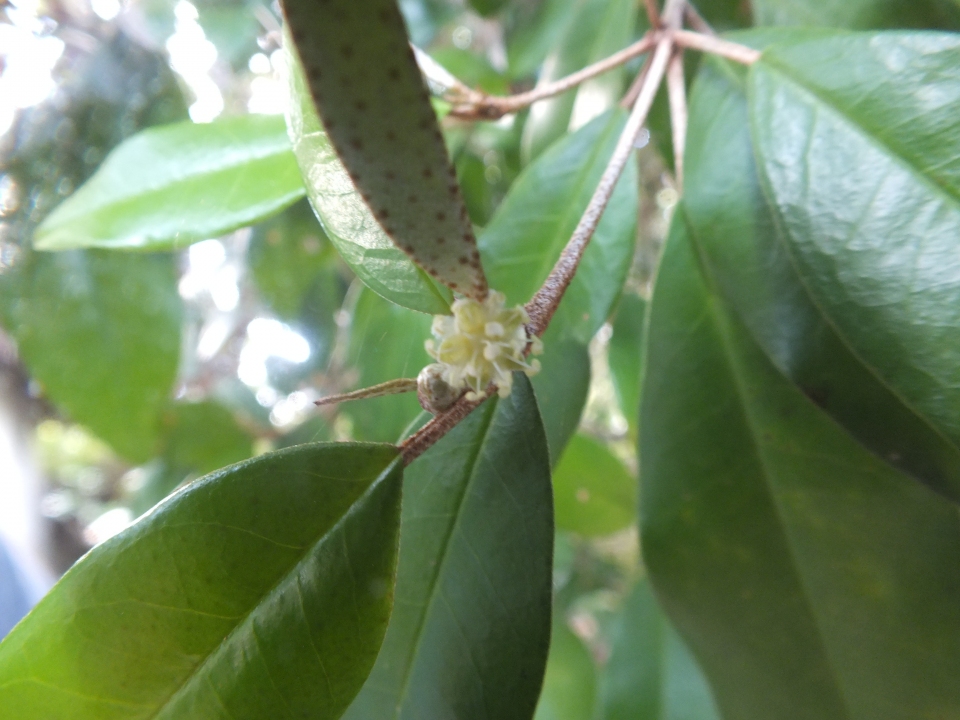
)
(726, 14)
(570, 683)
(472, 69)
(531, 35)
(469, 633)
(349, 224)
(593, 492)
(812, 579)
(859, 145)
(487, 7)
(286, 256)
(261, 591)
(365, 83)
(101, 332)
(561, 387)
(858, 14)
(744, 255)
(651, 674)
(168, 187)
(204, 436)
(538, 216)
(386, 342)
(625, 353)
(597, 29)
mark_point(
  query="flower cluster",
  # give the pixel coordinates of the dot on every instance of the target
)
(483, 342)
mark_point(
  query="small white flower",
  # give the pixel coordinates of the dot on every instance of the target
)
(483, 342)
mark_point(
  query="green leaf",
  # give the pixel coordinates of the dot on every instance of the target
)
(593, 492)
(812, 579)
(533, 33)
(261, 591)
(367, 88)
(469, 633)
(651, 674)
(570, 682)
(101, 332)
(487, 7)
(625, 353)
(530, 229)
(858, 142)
(561, 387)
(597, 29)
(743, 253)
(171, 186)
(386, 342)
(286, 255)
(858, 14)
(348, 222)
(204, 436)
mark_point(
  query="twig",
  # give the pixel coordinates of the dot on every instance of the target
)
(696, 21)
(418, 443)
(653, 13)
(677, 94)
(390, 387)
(472, 104)
(544, 303)
(633, 92)
(714, 45)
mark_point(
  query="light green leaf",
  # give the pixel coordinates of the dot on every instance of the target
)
(593, 493)
(570, 682)
(858, 14)
(625, 353)
(858, 143)
(204, 436)
(171, 186)
(812, 579)
(366, 86)
(260, 591)
(538, 216)
(742, 251)
(470, 628)
(651, 674)
(386, 343)
(101, 332)
(349, 224)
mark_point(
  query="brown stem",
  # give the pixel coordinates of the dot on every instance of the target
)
(473, 105)
(714, 45)
(696, 21)
(653, 13)
(390, 387)
(677, 95)
(418, 443)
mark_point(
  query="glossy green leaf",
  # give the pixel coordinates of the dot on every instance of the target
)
(101, 332)
(743, 252)
(470, 628)
(651, 674)
(386, 342)
(348, 222)
(538, 216)
(365, 83)
(625, 353)
(812, 579)
(260, 591)
(170, 186)
(858, 14)
(203, 437)
(286, 255)
(593, 492)
(570, 682)
(597, 28)
(858, 140)
(561, 387)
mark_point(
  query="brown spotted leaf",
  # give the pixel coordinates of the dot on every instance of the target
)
(371, 97)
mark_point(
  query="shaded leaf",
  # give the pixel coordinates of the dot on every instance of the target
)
(743, 252)
(811, 579)
(262, 590)
(538, 216)
(593, 492)
(365, 83)
(858, 14)
(860, 152)
(469, 633)
(203, 437)
(386, 342)
(625, 353)
(570, 682)
(348, 222)
(651, 674)
(532, 32)
(170, 186)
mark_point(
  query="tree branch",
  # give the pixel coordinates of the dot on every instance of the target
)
(677, 95)
(696, 21)
(474, 105)
(715, 46)
(653, 13)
